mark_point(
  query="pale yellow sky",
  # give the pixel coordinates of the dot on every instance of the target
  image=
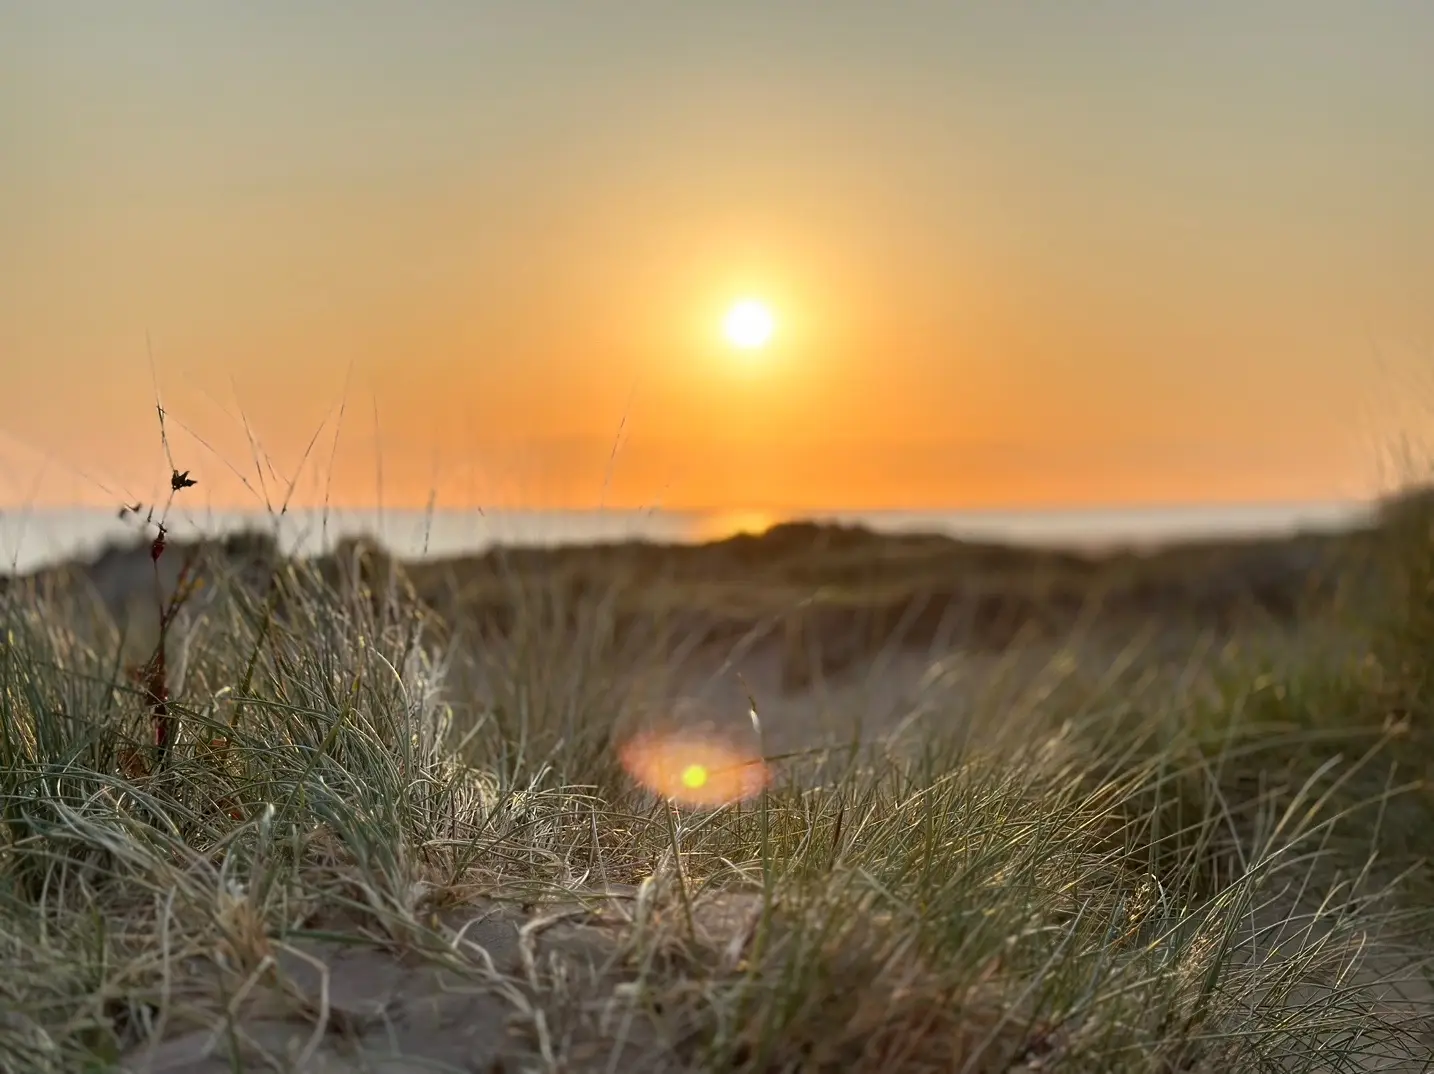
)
(1038, 254)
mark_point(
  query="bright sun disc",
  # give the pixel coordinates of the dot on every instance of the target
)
(749, 324)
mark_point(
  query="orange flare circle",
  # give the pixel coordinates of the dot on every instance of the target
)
(693, 769)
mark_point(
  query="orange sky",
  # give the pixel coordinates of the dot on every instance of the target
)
(1035, 255)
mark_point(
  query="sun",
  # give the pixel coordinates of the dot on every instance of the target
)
(749, 325)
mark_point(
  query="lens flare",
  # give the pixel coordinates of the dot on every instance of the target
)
(692, 768)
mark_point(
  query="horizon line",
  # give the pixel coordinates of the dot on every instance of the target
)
(179, 506)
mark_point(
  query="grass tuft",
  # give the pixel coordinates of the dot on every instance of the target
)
(353, 827)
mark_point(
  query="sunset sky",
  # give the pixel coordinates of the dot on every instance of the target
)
(1016, 254)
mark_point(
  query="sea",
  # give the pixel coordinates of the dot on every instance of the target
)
(34, 537)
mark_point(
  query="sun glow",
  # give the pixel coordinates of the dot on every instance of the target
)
(749, 325)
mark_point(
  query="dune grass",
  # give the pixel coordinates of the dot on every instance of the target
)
(1118, 877)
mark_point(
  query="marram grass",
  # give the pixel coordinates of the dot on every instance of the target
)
(1124, 880)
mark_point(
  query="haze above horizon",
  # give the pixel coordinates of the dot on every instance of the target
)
(889, 256)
